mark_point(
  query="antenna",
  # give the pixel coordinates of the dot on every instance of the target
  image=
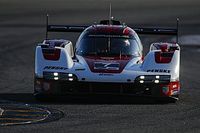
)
(110, 14)
(47, 23)
(177, 27)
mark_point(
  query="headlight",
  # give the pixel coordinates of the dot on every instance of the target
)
(142, 77)
(70, 75)
(56, 78)
(156, 79)
(59, 76)
(55, 74)
(141, 81)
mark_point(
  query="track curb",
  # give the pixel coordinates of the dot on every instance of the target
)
(1, 111)
(13, 113)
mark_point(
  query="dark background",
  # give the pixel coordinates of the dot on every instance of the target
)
(22, 26)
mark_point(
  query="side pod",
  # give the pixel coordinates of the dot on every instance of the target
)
(163, 58)
(53, 58)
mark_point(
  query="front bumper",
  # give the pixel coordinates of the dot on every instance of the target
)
(60, 87)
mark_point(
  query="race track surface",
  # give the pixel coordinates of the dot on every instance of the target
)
(22, 26)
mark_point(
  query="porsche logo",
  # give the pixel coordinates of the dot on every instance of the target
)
(106, 66)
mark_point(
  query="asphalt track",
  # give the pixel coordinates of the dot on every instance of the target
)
(22, 26)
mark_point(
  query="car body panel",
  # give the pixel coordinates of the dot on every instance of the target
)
(88, 69)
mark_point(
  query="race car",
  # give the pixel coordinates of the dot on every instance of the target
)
(108, 59)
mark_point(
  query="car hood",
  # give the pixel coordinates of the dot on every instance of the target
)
(99, 64)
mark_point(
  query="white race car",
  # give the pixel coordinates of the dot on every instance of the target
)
(107, 59)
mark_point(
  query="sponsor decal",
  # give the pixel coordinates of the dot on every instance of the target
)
(105, 74)
(159, 70)
(80, 69)
(106, 66)
(165, 90)
(55, 68)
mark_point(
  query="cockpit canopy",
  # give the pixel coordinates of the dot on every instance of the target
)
(108, 40)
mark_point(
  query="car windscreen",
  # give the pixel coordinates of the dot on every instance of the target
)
(107, 46)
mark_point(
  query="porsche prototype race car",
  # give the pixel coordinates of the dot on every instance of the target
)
(108, 59)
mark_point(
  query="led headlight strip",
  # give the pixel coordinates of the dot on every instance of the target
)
(59, 76)
(152, 79)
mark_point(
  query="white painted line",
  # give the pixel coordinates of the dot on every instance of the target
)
(29, 121)
(1, 111)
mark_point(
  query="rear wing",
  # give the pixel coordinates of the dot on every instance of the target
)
(76, 28)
